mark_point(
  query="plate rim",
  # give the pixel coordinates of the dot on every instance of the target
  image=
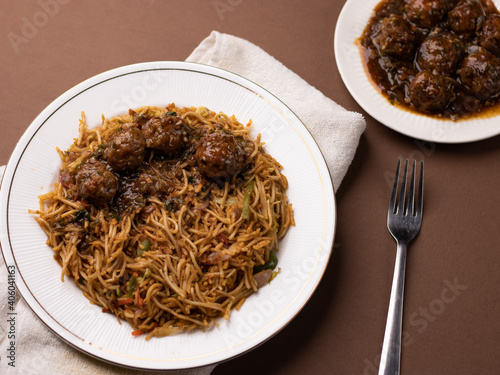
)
(38, 122)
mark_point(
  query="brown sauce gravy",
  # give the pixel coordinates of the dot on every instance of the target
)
(392, 75)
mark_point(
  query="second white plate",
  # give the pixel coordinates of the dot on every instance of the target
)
(350, 25)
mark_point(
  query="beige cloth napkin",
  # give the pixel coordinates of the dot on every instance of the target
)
(337, 131)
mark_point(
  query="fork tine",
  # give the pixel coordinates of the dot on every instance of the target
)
(421, 190)
(411, 197)
(401, 203)
(392, 204)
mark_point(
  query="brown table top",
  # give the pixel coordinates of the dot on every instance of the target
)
(452, 300)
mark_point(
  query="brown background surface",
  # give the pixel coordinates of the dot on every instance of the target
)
(340, 330)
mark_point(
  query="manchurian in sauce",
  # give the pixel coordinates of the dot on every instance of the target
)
(437, 57)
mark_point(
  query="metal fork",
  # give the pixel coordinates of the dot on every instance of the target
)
(404, 226)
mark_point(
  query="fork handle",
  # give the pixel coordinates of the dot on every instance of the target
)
(391, 349)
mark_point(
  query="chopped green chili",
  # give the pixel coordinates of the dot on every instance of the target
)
(269, 265)
(245, 210)
(132, 286)
(144, 246)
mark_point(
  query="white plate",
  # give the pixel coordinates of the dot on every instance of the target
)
(33, 167)
(350, 25)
